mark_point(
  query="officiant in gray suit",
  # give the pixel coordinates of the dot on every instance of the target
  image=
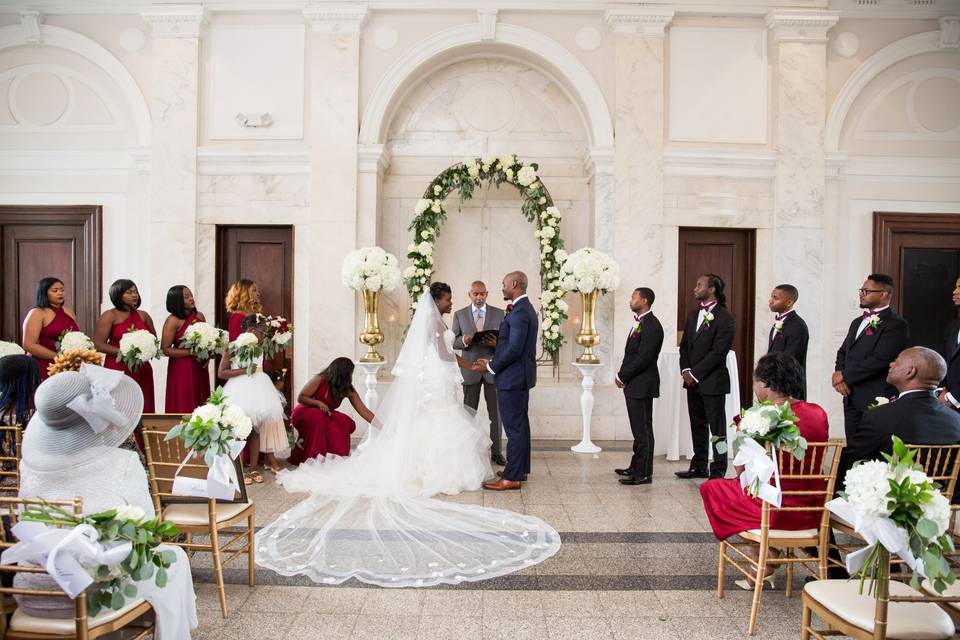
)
(479, 316)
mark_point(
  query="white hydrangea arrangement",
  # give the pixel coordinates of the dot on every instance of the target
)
(74, 341)
(897, 508)
(204, 340)
(10, 349)
(538, 208)
(587, 269)
(213, 427)
(244, 350)
(371, 269)
(137, 347)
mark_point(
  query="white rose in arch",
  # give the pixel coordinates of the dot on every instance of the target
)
(509, 173)
(527, 175)
(435, 207)
(422, 205)
(437, 189)
(489, 158)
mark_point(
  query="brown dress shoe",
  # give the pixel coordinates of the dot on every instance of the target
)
(502, 485)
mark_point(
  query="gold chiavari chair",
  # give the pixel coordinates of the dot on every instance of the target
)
(136, 616)
(10, 435)
(193, 517)
(819, 456)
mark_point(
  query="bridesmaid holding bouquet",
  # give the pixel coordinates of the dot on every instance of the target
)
(188, 377)
(243, 298)
(46, 322)
(113, 323)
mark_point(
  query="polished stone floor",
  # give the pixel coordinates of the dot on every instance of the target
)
(637, 563)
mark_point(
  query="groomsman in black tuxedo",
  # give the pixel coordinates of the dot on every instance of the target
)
(707, 338)
(640, 380)
(915, 416)
(950, 394)
(789, 333)
(873, 341)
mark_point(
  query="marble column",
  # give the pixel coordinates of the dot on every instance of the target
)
(638, 232)
(172, 230)
(372, 162)
(599, 167)
(333, 231)
(799, 220)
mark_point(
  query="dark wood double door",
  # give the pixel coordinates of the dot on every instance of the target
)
(41, 241)
(263, 254)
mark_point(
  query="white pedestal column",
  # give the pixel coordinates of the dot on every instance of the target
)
(370, 396)
(588, 372)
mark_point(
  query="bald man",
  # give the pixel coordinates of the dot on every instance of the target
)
(915, 415)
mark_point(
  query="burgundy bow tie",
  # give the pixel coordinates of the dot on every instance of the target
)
(706, 307)
(509, 308)
(637, 318)
(868, 314)
(779, 317)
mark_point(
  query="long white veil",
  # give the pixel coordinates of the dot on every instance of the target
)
(371, 516)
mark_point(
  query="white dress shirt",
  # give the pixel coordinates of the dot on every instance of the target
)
(638, 319)
(700, 316)
(866, 321)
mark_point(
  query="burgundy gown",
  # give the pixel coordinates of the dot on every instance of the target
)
(321, 434)
(729, 508)
(51, 333)
(235, 326)
(144, 374)
(188, 379)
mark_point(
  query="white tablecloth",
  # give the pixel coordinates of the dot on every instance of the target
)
(671, 421)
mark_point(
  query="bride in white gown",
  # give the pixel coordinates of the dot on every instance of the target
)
(372, 517)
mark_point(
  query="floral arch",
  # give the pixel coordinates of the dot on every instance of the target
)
(537, 208)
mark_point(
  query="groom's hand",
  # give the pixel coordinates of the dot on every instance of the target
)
(480, 365)
(490, 340)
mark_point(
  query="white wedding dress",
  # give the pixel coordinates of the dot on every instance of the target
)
(372, 517)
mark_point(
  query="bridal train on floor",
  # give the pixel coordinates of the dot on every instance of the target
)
(372, 516)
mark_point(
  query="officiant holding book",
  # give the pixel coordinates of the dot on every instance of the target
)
(475, 329)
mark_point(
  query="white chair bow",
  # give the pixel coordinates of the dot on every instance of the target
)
(68, 555)
(98, 407)
(873, 530)
(758, 468)
(221, 481)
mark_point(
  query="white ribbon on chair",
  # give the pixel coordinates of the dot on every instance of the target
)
(67, 554)
(98, 407)
(873, 530)
(758, 468)
(221, 481)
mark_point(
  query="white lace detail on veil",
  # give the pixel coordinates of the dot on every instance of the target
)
(372, 517)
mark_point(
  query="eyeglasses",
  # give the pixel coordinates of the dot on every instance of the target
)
(866, 291)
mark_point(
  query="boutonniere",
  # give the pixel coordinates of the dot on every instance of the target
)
(778, 328)
(637, 330)
(878, 401)
(509, 309)
(874, 322)
(707, 319)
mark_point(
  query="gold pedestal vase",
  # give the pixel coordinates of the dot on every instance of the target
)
(371, 336)
(588, 337)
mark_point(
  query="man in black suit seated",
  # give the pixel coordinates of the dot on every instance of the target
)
(873, 341)
(789, 333)
(915, 416)
(707, 338)
(950, 394)
(640, 380)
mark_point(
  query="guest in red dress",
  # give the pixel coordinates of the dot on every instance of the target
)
(188, 378)
(243, 298)
(324, 429)
(113, 323)
(46, 322)
(778, 378)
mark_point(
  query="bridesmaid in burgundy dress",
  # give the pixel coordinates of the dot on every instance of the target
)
(323, 429)
(111, 326)
(778, 378)
(46, 322)
(243, 298)
(188, 379)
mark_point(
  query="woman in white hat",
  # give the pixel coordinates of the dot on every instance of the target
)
(70, 448)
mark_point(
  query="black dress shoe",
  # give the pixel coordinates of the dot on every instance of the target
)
(634, 480)
(623, 472)
(498, 460)
(692, 473)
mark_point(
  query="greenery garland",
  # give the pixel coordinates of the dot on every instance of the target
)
(537, 208)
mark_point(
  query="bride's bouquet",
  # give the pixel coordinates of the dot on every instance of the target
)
(244, 350)
(371, 269)
(587, 269)
(10, 349)
(136, 347)
(204, 341)
(276, 335)
(74, 341)
(897, 509)
(764, 423)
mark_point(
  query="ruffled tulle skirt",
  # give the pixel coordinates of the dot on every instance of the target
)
(261, 401)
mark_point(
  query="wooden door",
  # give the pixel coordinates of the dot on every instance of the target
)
(263, 254)
(922, 253)
(730, 254)
(40, 241)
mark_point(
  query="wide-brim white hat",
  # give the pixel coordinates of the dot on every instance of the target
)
(78, 415)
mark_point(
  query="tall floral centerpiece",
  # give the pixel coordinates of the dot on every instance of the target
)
(371, 270)
(592, 273)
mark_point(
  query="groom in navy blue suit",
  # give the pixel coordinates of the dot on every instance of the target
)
(514, 364)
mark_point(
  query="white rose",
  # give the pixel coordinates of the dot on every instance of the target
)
(563, 306)
(527, 175)
(548, 232)
(419, 272)
(488, 159)
(547, 323)
(245, 340)
(509, 173)
(411, 247)
(422, 205)
(435, 207)
(560, 255)
(554, 212)
(373, 283)
(437, 189)
(208, 412)
(425, 234)
(409, 272)
(473, 170)
(542, 200)
(754, 423)
(238, 421)
(507, 161)
(132, 513)
(586, 285)
(425, 248)
(937, 509)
